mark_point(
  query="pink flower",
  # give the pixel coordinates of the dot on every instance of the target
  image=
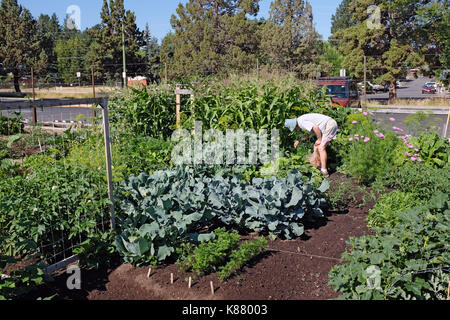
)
(354, 122)
(416, 150)
(408, 154)
(365, 113)
(366, 140)
(357, 138)
(356, 135)
(410, 146)
(362, 137)
(350, 139)
(376, 131)
(416, 155)
(413, 158)
(381, 135)
(419, 159)
(392, 119)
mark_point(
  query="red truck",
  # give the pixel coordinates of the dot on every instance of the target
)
(344, 91)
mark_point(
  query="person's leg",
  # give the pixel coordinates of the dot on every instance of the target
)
(322, 149)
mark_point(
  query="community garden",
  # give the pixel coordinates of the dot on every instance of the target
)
(378, 228)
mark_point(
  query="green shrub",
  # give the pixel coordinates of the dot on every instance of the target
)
(416, 178)
(432, 149)
(408, 261)
(384, 213)
(367, 152)
(10, 126)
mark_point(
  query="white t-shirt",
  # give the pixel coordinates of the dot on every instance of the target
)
(308, 121)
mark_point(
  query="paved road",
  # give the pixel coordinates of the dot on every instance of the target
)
(412, 90)
(434, 121)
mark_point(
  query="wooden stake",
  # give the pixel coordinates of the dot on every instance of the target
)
(149, 272)
(171, 278)
(212, 287)
(190, 282)
(448, 291)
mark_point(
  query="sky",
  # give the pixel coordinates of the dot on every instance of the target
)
(157, 13)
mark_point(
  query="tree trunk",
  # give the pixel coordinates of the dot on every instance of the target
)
(16, 83)
(392, 92)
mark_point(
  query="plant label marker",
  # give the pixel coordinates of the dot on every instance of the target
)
(190, 282)
(171, 278)
(212, 287)
(149, 272)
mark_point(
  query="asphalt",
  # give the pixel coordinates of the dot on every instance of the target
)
(412, 89)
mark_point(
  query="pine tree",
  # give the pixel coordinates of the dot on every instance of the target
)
(20, 47)
(392, 47)
(289, 38)
(214, 36)
(49, 31)
(114, 18)
(152, 52)
(343, 17)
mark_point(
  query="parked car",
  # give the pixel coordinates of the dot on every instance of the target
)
(376, 87)
(361, 88)
(428, 88)
(344, 91)
(431, 84)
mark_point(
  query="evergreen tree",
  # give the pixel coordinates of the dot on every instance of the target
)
(214, 36)
(116, 19)
(392, 46)
(49, 30)
(152, 52)
(20, 47)
(343, 17)
(289, 38)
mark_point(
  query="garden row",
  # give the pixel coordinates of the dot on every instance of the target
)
(56, 201)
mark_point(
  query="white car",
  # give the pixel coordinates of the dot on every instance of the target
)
(431, 84)
(375, 87)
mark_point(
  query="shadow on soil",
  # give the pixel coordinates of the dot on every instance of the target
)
(91, 280)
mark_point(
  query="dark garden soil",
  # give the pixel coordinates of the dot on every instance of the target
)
(288, 270)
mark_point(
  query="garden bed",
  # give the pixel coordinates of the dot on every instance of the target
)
(287, 270)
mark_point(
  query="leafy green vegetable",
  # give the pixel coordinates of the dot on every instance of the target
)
(406, 261)
(167, 207)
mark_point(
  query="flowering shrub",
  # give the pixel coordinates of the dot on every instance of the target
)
(367, 151)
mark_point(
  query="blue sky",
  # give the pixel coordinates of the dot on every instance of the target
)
(157, 13)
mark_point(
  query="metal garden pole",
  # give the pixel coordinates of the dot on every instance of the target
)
(108, 161)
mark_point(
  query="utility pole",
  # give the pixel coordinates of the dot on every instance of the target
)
(365, 84)
(124, 75)
(34, 114)
(94, 113)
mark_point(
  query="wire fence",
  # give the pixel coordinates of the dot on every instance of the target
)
(66, 202)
